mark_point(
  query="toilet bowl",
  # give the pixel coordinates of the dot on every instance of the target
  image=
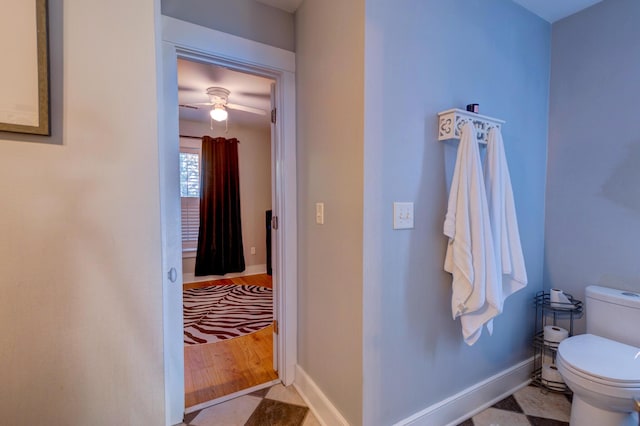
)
(604, 376)
(602, 367)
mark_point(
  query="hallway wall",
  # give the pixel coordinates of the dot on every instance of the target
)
(330, 108)
(243, 18)
(81, 283)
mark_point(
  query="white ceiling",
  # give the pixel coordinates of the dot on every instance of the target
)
(553, 10)
(550, 10)
(246, 89)
(286, 5)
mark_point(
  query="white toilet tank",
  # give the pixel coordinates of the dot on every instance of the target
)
(613, 314)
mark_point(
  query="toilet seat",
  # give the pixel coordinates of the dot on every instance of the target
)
(601, 360)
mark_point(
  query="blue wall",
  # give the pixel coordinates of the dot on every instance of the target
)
(422, 57)
(592, 233)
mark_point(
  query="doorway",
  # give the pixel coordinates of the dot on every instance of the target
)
(184, 40)
(229, 333)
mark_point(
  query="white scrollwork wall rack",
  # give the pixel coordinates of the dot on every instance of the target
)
(450, 124)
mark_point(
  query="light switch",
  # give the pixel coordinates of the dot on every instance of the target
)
(320, 213)
(402, 215)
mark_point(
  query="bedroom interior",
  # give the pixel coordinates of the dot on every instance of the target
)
(228, 304)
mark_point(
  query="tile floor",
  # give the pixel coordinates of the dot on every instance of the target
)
(282, 406)
(275, 406)
(530, 406)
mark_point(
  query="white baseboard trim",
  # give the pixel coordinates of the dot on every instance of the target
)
(474, 399)
(326, 413)
(189, 277)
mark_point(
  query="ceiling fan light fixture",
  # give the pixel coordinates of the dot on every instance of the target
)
(219, 113)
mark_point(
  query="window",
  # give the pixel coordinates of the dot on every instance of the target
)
(190, 197)
(189, 174)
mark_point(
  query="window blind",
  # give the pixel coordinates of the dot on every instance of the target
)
(190, 222)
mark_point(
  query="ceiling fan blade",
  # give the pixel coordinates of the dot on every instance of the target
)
(196, 105)
(183, 88)
(246, 109)
(254, 95)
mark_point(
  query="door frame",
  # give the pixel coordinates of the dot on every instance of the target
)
(181, 39)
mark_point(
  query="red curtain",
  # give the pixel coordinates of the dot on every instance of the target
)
(220, 248)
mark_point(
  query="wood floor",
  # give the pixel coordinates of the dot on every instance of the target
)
(263, 280)
(217, 369)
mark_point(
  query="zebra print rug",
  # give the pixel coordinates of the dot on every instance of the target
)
(222, 312)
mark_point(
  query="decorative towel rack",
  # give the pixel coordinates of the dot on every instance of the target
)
(451, 121)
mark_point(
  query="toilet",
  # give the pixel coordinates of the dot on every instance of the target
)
(602, 367)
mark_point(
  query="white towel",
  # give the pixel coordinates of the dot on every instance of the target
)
(470, 257)
(502, 214)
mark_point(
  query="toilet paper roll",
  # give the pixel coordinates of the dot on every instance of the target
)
(553, 335)
(558, 299)
(551, 378)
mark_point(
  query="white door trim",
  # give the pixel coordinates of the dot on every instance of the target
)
(183, 39)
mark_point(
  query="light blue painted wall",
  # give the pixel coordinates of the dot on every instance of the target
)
(592, 233)
(421, 57)
(243, 18)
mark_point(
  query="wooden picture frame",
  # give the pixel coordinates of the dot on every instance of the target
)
(24, 74)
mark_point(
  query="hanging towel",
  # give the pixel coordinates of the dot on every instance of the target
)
(476, 288)
(502, 215)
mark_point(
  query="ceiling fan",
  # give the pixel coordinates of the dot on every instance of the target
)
(219, 102)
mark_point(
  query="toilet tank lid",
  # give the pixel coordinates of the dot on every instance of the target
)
(613, 295)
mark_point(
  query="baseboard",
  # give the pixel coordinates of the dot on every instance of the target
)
(326, 413)
(189, 277)
(474, 399)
